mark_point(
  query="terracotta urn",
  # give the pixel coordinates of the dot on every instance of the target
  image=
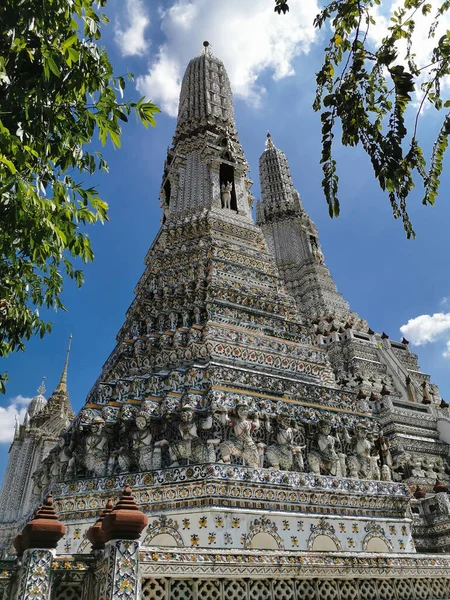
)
(439, 487)
(125, 521)
(96, 534)
(43, 531)
(419, 493)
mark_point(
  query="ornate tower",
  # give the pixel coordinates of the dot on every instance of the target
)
(294, 241)
(215, 375)
(43, 425)
(206, 155)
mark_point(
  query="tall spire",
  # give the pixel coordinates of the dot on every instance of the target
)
(294, 239)
(206, 167)
(62, 385)
(279, 197)
(269, 141)
(206, 99)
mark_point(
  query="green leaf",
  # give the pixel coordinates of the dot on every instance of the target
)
(52, 65)
(8, 163)
(70, 41)
(58, 92)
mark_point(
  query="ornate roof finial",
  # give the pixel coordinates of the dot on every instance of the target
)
(206, 47)
(62, 385)
(41, 388)
(269, 143)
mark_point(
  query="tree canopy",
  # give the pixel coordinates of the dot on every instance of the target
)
(367, 89)
(58, 92)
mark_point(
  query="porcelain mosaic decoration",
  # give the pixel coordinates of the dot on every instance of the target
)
(279, 447)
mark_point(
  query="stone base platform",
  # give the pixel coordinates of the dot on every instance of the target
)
(234, 507)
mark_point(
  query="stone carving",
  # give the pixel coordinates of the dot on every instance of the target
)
(323, 458)
(128, 443)
(385, 454)
(385, 472)
(197, 315)
(415, 466)
(285, 454)
(135, 329)
(189, 448)
(120, 459)
(316, 251)
(142, 444)
(185, 319)
(401, 467)
(225, 189)
(150, 324)
(96, 449)
(66, 458)
(37, 486)
(173, 317)
(361, 462)
(242, 444)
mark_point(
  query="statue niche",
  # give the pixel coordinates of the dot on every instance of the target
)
(227, 187)
(165, 198)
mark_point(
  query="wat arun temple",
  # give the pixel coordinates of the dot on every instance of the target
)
(249, 437)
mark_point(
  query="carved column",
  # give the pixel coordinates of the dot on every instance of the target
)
(37, 544)
(35, 574)
(121, 574)
(122, 528)
(214, 173)
(239, 185)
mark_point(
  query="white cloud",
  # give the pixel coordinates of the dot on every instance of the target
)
(17, 408)
(162, 83)
(446, 353)
(427, 328)
(131, 40)
(21, 400)
(248, 36)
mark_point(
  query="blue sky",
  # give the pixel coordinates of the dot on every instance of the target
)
(272, 62)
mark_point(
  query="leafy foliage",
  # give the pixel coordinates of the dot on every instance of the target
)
(368, 90)
(281, 6)
(57, 92)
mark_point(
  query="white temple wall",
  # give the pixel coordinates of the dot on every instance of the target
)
(238, 529)
(8, 482)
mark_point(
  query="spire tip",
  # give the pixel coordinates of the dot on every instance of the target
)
(206, 47)
(269, 142)
(62, 385)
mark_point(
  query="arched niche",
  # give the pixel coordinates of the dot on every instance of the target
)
(85, 547)
(263, 541)
(162, 540)
(324, 543)
(226, 175)
(376, 544)
(165, 196)
(167, 191)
